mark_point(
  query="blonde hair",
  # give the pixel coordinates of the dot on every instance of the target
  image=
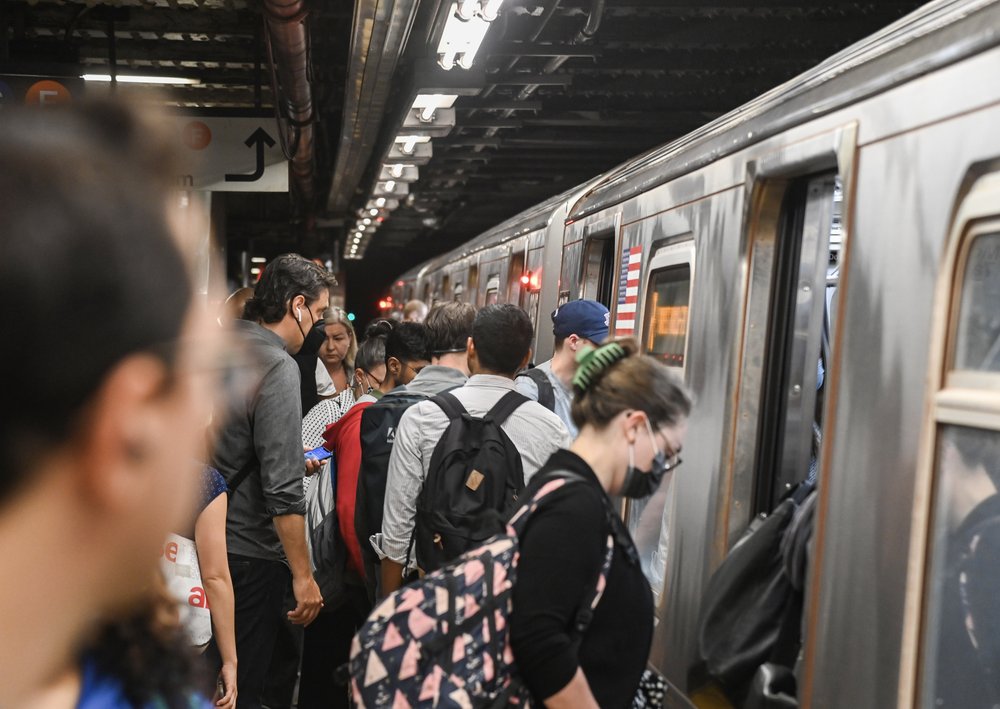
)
(334, 315)
(615, 378)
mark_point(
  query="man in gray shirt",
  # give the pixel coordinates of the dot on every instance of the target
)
(499, 347)
(576, 324)
(259, 452)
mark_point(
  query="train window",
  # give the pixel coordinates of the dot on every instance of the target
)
(977, 345)
(445, 288)
(962, 642)
(664, 335)
(458, 291)
(514, 289)
(599, 269)
(492, 290)
(791, 415)
(474, 284)
(667, 314)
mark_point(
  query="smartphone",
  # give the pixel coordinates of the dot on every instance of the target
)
(320, 453)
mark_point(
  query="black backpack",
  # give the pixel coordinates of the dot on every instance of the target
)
(472, 484)
(379, 423)
(749, 627)
(546, 394)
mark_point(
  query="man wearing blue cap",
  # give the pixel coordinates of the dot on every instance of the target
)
(574, 324)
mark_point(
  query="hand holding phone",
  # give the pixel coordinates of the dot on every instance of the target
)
(318, 454)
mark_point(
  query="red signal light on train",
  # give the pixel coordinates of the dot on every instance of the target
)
(525, 278)
(382, 305)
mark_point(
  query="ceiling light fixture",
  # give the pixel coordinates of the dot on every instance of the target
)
(373, 211)
(141, 79)
(464, 31)
(428, 104)
(410, 142)
(390, 185)
(366, 221)
(380, 202)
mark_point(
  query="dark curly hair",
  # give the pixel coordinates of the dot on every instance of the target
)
(149, 654)
(284, 278)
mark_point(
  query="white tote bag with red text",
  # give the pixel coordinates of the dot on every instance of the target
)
(179, 562)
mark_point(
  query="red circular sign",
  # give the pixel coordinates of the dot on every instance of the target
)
(47, 93)
(197, 135)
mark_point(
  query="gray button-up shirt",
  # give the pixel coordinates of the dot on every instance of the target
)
(562, 394)
(267, 423)
(534, 430)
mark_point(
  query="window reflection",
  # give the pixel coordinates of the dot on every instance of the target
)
(962, 645)
(978, 344)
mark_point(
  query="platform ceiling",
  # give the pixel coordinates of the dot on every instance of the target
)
(553, 108)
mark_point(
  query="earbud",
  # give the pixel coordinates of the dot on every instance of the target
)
(298, 314)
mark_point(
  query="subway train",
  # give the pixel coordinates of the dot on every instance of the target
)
(822, 267)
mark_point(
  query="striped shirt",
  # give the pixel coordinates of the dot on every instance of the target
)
(535, 431)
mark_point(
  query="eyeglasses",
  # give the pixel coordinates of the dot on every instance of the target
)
(672, 455)
(415, 370)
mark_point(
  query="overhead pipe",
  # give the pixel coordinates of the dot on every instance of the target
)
(584, 36)
(288, 42)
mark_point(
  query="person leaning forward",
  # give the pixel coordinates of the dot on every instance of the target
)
(259, 452)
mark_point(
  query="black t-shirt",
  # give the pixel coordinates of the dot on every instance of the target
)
(562, 549)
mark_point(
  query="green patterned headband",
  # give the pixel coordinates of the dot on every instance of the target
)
(591, 362)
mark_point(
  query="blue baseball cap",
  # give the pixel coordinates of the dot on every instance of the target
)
(585, 318)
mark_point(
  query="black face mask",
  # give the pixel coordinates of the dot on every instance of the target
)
(643, 483)
(314, 339)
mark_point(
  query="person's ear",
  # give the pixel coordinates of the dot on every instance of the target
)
(121, 432)
(394, 367)
(631, 422)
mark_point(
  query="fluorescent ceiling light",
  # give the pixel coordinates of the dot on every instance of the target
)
(254, 271)
(409, 142)
(366, 221)
(259, 259)
(380, 202)
(390, 185)
(461, 38)
(491, 8)
(427, 104)
(137, 79)
(373, 211)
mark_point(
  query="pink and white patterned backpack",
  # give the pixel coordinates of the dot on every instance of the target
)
(443, 641)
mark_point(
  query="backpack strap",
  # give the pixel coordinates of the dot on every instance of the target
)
(243, 473)
(451, 406)
(585, 614)
(507, 405)
(546, 394)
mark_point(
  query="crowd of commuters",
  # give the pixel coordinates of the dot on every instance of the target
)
(98, 452)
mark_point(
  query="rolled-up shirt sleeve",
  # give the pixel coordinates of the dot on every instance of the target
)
(404, 481)
(278, 442)
(559, 563)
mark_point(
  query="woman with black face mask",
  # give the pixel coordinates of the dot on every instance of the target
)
(572, 650)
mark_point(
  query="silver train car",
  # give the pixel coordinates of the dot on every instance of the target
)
(822, 266)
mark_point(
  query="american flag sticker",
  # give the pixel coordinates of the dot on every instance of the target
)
(628, 291)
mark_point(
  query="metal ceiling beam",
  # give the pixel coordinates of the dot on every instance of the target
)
(526, 79)
(470, 104)
(378, 39)
(537, 49)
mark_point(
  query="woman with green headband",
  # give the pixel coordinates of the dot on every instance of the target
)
(632, 415)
